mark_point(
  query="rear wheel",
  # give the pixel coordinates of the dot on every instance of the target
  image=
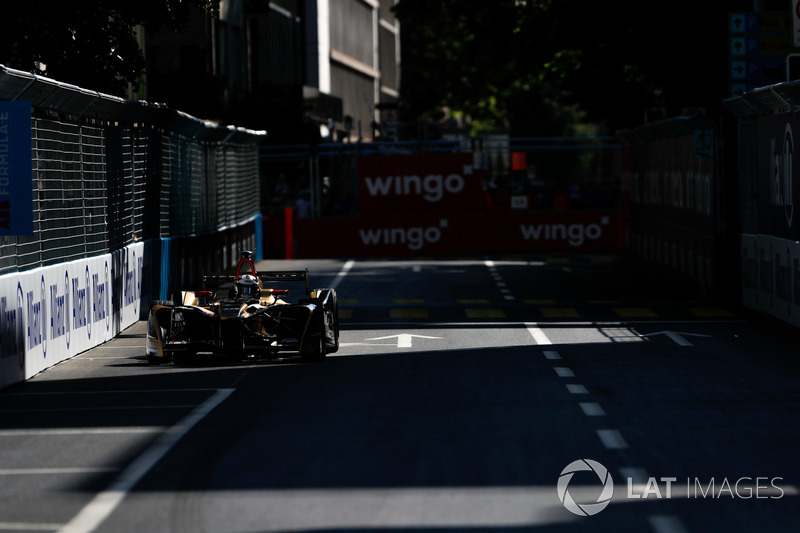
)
(154, 360)
(184, 358)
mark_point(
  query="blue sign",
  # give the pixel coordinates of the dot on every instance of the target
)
(16, 183)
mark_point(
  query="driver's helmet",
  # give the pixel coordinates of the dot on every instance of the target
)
(246, 288)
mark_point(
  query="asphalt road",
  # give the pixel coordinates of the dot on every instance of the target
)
(546, 394)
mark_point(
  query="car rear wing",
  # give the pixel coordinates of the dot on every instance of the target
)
(264, 276)
(284, 275)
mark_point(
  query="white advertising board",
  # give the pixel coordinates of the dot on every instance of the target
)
(771, 276)
(53, 313)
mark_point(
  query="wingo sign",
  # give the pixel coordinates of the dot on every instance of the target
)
(419, 184)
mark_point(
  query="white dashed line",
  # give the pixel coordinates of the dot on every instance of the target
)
(612, 439)
(552, 355)
(577, 389)
(564, 372)
(592, 409)
(538, 335)
(666, 524)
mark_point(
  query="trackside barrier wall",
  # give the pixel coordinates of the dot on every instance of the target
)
(771, 276)
(51, 313)
(670, 187)
(769, 136)
(130, 201)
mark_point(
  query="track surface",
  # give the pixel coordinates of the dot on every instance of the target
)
(461, 392)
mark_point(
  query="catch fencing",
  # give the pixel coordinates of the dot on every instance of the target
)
(109, 172)
(521, 173)
(130, 200)
(485, 194)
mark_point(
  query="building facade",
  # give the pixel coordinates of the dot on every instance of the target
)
(293, 67)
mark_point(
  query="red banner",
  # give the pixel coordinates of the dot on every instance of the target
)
(542, 232)
(419, 184)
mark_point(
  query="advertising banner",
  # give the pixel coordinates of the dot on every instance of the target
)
(52, 313)
(771, 276)
(419, 184)
(460, 233)
(779, 183)
(16, 185)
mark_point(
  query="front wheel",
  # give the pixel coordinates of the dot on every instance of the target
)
(312, 350)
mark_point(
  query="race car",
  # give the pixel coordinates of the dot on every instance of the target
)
(251, 320)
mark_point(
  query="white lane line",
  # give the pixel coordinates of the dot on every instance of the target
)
(552, 355)
(638, 476)
(115, 391)
(28, 526)
(104, 503)
(117, 346)
(592, 409)
(666, 524)
(79, 431)
(57, 470)
(117, 408)
(342, 273)
(564, 372)
(577, 389)
(538, 335)
(612, 439)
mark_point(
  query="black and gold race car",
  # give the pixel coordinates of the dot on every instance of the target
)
(251, 320)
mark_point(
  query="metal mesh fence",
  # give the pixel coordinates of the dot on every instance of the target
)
(117, 172)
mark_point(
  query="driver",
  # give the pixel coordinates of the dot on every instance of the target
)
(246, 289)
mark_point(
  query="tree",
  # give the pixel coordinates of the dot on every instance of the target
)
(546, 65)
(89, 43)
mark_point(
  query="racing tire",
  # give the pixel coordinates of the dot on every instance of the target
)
(332, 307)
(335, 327)
(184, 358)
(314, 350)
(313, 347)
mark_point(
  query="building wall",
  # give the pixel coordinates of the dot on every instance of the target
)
(363, 59)
(255, 63)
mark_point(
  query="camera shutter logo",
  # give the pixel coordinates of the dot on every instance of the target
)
(585, 509)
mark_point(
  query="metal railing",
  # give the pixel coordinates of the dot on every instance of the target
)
(107, 172)
(779, 98)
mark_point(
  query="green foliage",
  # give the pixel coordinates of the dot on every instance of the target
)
(546, 64)
(89, 43)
